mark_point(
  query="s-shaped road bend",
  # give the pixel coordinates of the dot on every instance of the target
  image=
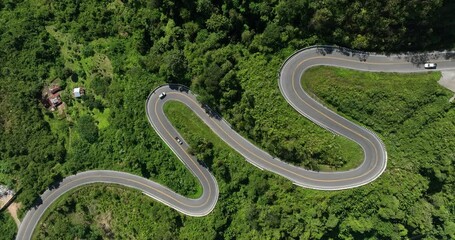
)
(375, 155)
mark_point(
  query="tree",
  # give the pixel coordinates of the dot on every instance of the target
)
(87, 128)
(174, 66)
(100, 85)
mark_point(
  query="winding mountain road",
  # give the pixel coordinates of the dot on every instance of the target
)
(375, 154)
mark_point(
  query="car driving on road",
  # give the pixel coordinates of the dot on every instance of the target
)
(179, 140)
(162, 95)
(430, 65)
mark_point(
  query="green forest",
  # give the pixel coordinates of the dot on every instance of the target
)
(7, 227)
(229, 53)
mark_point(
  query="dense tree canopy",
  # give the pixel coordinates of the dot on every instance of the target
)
(8, 227)
(228, 52)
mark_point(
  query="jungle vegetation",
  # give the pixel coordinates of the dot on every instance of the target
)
(228, 52)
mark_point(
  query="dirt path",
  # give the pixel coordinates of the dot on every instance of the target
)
(448, 81)
(12, 209)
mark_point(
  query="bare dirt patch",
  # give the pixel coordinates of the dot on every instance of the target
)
(12, 209)
(61, 110)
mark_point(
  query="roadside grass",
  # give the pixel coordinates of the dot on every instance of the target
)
(351, 151)
(388, 101)
(188, 124)
(193, 129)
(280, 130)
(378, 91)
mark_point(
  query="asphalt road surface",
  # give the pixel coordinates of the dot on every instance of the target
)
(375, 155)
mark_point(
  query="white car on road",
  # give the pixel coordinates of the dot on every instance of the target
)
(429, 65)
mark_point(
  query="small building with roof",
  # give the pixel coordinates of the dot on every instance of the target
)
(55, 100)
(78, 92)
